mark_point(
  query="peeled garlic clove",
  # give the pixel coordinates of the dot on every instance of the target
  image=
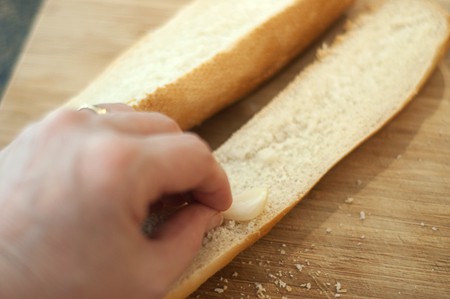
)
(247, 205)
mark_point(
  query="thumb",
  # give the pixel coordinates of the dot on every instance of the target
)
(178, 240)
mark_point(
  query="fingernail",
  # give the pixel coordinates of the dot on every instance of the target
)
(215, 221)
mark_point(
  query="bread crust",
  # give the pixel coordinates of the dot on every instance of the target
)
(232, 74)
(186, 287)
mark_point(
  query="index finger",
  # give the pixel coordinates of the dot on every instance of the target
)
(179, 163)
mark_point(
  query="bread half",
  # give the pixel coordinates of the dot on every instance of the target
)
(369, 74)
(211, 54)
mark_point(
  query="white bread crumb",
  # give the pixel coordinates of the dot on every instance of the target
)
(338, 286)
(219, 290)
(260, 290)
(362, 215)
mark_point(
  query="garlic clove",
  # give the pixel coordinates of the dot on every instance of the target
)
(247, 205)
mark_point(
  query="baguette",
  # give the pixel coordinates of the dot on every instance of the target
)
(369, 74)
(211, 54)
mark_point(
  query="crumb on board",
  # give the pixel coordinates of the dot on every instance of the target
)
(349, 200)
(299, 267)
(328, 230)
(434, 228)
(306, 286)
(219, 290)
(260, 290)
(338, 286)
(235, 274)
(362, 215)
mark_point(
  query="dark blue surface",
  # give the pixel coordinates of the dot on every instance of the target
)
(16, 18)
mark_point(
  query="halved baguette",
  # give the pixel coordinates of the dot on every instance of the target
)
(211, 54)
(356, 86)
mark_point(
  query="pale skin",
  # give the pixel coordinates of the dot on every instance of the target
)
(75, 189)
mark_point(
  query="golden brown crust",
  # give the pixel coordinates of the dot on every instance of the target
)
(232, 74)
(190, 285)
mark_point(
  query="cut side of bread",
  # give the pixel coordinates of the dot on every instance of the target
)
(210, 55)
(358, 84)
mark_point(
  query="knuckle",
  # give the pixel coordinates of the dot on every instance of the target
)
(108, 160)
(167, 122)
(197, 141)
(63, 119)
(201, 147)
(114, 152)
(66, 117)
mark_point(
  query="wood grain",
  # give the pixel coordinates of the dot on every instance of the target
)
(400, 177)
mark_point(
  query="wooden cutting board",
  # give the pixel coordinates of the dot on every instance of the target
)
(400, 177)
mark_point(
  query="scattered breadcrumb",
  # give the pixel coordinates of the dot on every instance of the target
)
(339, 288)
(422, 224)
(282, 251)
(299, 267)
(362, 215)
(359, 243)
(219, 290)
(329, 230)
(349, 200)
(235, 274)
(363, 237)
(283, 245)
(359, 182)
(398, 157)
(434, 228)
(306, 286)
(260, 290)
(337, 295)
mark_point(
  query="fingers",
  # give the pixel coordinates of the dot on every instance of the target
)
(179, 163)
(142, 123)
(179, 239)
(168, 164)
(123, 118)
(110, 108)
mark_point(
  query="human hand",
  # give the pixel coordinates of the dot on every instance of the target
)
(75, 191)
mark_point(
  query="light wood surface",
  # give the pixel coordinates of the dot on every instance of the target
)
(400, 177)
